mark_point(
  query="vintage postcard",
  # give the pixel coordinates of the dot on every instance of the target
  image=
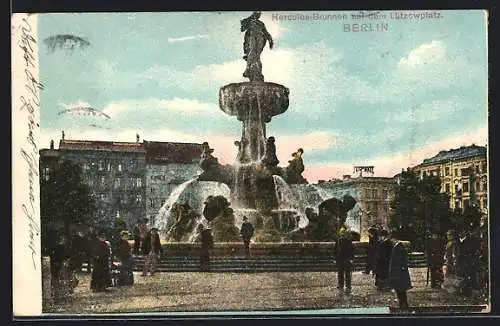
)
(250, 163)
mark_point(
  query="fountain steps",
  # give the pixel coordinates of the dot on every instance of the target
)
(261, 264)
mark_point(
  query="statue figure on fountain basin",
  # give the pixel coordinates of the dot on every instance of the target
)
(331, 216)
(212, 170)
(270, 160)
(185, 220)
(295, 168)
(220, 215)
(256, 37)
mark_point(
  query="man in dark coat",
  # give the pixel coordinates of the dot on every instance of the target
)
(344, 256)
(382, 257)
(207, 243)
(137, 239)
(101, 275)
(151, 247)
(78, 251)
(372, 246)
(399, 275)
(246, 233)
(435, 254)
(468, 255)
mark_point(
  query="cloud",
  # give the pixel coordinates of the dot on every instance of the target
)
(390, 165)
(158, 106)
(79, 104)
(426, 112)
(185, 38)
(273, 26)
(316, 140)
(428, 53)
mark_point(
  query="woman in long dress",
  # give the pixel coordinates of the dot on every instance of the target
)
(101, 276)
(126, 275)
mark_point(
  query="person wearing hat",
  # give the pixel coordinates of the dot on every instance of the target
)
(344, 256)
(152, 249)
(246, 232)
(207, 243)
(372, 246)
(126, 276)
(101, 275)
(399, 275)
(143, 232)
(382, 257)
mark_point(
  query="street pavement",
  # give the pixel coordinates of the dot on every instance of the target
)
(216, 292)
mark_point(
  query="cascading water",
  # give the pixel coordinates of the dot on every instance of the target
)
(163, 218)
(193, 193)
(324, 193)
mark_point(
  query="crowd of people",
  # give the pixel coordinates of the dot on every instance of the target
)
(111, 264)
(387, 260)
(454, 264)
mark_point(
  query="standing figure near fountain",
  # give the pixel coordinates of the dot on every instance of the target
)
(295, 168)
(256, 36)
(270, 160)
(247, 234)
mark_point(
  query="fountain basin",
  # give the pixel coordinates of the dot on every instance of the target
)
(258, 100)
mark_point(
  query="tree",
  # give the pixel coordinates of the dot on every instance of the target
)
(64, 201)
(419, 208)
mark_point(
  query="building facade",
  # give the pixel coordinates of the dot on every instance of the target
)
(373, 197)
(463, 173)
(168, 165)
(128, 180)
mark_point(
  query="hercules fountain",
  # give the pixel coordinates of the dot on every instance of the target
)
(278, 201)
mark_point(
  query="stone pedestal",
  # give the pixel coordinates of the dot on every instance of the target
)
(253, 103)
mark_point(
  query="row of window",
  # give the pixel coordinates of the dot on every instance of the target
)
(118, 182)
(107, 166)
(466, 203)
(373, 193)
(123, 198)
(374, 207)
(477, 169)
(465, 187)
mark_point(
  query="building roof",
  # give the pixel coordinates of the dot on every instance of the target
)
(455, 155)
(168, 153)
(99, 145)
(358, 180)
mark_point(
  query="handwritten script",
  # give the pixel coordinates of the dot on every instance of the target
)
(30, 103)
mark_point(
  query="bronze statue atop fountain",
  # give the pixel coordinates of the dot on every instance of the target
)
(256, 37)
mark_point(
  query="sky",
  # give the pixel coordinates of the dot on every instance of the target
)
(387, 98)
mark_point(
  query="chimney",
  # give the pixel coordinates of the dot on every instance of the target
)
(137, 138)
(51, 144)
(62, 135)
